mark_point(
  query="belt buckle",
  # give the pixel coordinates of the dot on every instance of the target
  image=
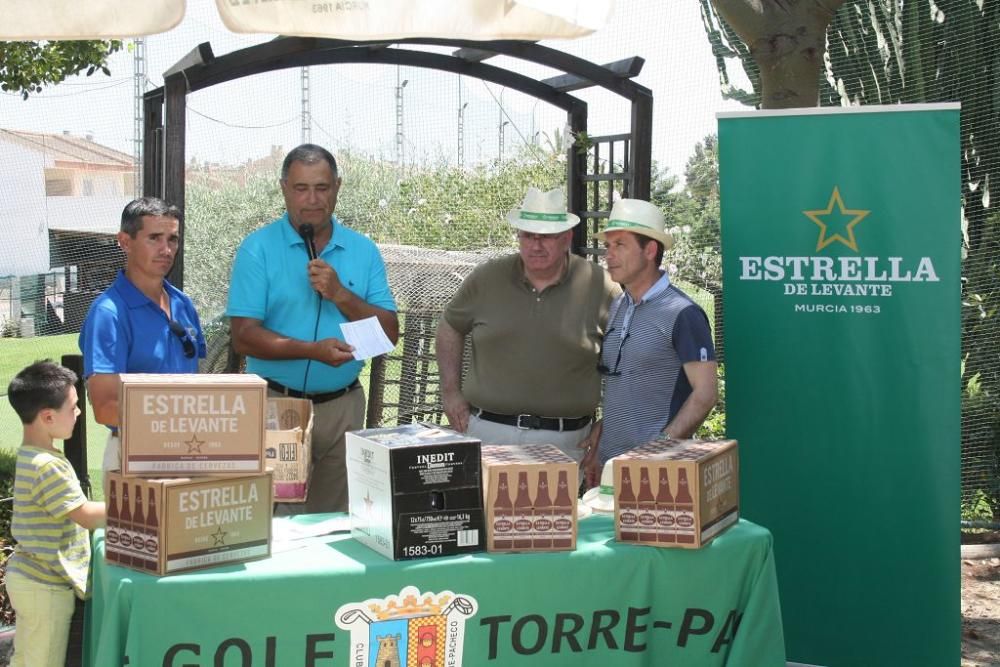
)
(519, 425)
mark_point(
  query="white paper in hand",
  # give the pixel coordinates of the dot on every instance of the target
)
(367, 338)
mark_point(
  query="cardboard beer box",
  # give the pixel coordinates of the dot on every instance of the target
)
(676, 493)
(288, 447)
(163, 526)
(415, 491)
(191, 424)
(530, 498)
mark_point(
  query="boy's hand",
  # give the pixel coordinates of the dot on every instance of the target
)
(90, 515)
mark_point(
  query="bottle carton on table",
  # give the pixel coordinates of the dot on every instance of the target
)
(163, 526)
(191, 424)
(530, 498)
(676, 493)
(288, 447)
(415, 491)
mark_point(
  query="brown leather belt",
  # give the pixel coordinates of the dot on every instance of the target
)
(321, 397)
(535, 422)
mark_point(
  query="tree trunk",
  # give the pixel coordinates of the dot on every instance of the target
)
(787, 40)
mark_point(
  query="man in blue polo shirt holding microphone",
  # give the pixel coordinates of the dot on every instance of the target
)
(141, 323)
(294, 282)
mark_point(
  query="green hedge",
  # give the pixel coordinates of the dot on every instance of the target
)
(7, 462)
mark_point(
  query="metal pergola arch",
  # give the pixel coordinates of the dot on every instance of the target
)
(164, 132)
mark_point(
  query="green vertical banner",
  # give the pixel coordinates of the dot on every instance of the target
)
(841, 260)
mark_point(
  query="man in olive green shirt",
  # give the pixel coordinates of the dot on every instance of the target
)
(536, 319)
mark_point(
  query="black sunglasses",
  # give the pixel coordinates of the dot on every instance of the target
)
(603, 369)
(181, 332)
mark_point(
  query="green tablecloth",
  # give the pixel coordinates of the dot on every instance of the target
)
(334, 602)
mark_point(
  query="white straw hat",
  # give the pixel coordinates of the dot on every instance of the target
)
(639, 217)
(543, 213)
(601, 499)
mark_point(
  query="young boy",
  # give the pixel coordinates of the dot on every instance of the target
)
(51, 518)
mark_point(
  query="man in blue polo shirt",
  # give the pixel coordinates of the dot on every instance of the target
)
(142, 323)
(294, 282)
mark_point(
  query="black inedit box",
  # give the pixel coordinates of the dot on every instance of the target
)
(415, 491)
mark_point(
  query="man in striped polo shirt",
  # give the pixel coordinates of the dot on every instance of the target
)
(50, 520)
(657, 358)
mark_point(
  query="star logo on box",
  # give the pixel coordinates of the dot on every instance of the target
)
(194, 445)
(836, 225)
(412, 628)
(220, 537)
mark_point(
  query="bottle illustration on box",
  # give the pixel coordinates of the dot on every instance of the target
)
(138, 534)
(684, 514)
(647, 508)
(628, 515)
(111, 530)
(664, 509)
(522, 514)
(562, 511)
(152, 529)
(125, 527)
(542, 528)
(503, 515)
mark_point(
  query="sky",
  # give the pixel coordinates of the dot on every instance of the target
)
(353, 106)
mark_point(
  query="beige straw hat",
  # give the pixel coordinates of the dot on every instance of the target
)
(639, 217)
(543, 213)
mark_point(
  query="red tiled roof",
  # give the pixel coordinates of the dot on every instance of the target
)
(69, 148)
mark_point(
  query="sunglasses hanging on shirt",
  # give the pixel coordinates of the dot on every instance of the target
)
(178, 330)
(601, 367)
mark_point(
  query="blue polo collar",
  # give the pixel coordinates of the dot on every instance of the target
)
(655, 290)
(133, 296)
(292, 238)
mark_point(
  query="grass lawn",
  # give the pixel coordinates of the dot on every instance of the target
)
(10, 439)
(701, 297)
(15, 354)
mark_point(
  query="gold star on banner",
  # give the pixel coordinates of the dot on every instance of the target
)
(219, 536)
(825, 237)
(194, 445)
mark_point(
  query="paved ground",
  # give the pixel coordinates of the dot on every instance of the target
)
(981, 612)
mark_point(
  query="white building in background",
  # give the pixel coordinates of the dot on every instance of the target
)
(62, 200)
(56, 182)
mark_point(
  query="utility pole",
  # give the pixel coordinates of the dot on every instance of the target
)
(461, 135)
(139, 88)
(534, 132)
(501, 123)
(306, 108)
(461, 125)
(399, 117)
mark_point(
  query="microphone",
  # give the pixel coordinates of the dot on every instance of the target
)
(306, 232)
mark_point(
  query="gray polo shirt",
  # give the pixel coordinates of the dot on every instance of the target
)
(646, 348)
(533, 352)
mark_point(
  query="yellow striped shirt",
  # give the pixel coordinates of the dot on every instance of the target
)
(51, 548)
